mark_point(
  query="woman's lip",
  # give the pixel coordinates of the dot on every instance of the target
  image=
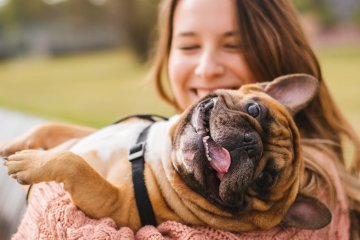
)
(210, 89)
(202, 91)
(213, 88)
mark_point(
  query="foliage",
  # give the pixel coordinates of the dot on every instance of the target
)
(356, 15)
(133, 21)
(324, 11)
(140, 20)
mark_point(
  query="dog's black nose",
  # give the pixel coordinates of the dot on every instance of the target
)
(252, 143)
(250, 138)
(247, 138)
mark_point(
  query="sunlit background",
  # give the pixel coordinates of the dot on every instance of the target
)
(84, 61)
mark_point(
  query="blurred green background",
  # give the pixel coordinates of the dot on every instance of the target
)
(85, 61)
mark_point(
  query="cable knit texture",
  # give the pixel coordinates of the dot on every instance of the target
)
(52, 215)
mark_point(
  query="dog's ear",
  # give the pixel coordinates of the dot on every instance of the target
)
(294, 91)
(307, 213)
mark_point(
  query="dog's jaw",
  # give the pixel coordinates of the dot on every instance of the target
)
(219, 157)
(221, 181)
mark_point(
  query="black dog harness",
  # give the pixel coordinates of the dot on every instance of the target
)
(136, 157)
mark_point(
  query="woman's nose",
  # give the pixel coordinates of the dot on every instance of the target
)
(209, 66)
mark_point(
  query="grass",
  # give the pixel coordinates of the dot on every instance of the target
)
(93, 89)
(341, 70)
(97, 88)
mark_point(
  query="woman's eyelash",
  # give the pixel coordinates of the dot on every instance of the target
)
(192, 47)
(232, 46)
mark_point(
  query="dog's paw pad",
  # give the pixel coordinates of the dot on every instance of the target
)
(13, 175)
(20, 178)
(22, 182)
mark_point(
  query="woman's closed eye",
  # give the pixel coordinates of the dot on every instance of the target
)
(232, 46)
(189, 47)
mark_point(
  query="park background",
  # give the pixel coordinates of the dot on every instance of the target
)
(85, 62)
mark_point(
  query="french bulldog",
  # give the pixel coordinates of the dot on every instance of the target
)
(231, 161)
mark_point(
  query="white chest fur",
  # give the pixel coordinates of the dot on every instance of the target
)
(124, 135)
(111, 138)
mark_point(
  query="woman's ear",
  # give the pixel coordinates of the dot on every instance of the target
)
(294, 91)
(307, 213)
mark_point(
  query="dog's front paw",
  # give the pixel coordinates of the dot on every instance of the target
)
(28, 166)
(10, 147)
(32, 139)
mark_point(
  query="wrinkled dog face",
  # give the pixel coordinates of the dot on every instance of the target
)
(222, 147)
(239, 148)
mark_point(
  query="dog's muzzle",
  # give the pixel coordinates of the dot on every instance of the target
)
(218, 157)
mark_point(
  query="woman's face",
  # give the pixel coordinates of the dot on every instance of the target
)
(205, 54)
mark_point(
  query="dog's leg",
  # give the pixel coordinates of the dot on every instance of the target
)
(45, 136)
(88, 189)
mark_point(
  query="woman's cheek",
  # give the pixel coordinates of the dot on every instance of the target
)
(180, 74)
(175, 72)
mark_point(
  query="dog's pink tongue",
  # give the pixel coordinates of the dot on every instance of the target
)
(220, 159)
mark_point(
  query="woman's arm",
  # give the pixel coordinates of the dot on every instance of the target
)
(45, 136)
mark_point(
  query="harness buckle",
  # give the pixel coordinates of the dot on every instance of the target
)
(136, 151)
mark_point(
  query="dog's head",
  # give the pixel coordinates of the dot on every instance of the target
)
(240, 150)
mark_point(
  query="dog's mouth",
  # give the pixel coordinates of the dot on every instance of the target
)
(218, 157)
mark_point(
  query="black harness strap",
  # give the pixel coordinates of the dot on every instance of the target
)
(150, 117)
(137, 159)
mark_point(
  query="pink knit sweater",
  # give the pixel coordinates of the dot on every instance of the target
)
(52, 215)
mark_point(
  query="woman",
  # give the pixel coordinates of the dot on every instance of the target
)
(203, 49)
(209, 44)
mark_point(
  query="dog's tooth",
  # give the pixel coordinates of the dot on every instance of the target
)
(207, 148)
(215, 99)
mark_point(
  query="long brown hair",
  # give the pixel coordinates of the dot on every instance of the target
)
(274, 44)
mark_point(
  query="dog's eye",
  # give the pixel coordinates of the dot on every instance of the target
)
(264, 180)
(253, 109)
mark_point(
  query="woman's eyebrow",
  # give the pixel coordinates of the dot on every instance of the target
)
(231, 34)
(185, 34)
(193, 34)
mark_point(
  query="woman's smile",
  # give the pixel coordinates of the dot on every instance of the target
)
(201, 92)
(205, 53)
